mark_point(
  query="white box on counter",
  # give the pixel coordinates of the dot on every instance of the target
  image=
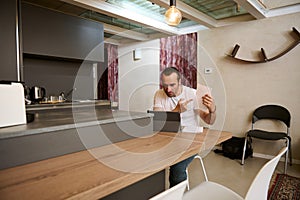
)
(12, 104)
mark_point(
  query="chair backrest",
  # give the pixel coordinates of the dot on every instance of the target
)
(174, 193)
(275, 112)
(260, 185)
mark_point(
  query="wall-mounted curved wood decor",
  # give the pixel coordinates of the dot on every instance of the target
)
(265, 59)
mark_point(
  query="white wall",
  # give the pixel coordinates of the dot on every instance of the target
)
(138, 79)
(248, 86)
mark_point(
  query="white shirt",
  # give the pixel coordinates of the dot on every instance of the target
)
(190, 116)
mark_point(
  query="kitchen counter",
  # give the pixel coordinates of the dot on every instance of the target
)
(61, 119)
(68, 104)
(56, 132)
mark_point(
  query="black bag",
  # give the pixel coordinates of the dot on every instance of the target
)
(233, 148)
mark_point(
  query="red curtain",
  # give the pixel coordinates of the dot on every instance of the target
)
(181, 52)
(112, 63)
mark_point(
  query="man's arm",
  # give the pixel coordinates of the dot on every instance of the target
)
(157, 105)
(180, 107)
(210, 116)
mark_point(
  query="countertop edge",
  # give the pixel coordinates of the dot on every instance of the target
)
(75, 125)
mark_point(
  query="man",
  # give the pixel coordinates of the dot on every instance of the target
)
(178, 98)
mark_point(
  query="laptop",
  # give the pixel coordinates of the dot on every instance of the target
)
(165, 121)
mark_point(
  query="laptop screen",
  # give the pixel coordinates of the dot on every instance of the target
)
(165, 121)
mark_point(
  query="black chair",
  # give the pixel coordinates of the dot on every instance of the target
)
(271, 112)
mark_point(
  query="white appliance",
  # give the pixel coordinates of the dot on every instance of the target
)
(12, 104)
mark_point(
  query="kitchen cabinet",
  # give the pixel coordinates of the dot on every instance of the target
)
(57, 35)
(8, 49)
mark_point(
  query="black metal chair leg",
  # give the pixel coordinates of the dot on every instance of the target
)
(290, 151)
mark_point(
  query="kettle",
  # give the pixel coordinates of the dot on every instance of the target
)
(37, 93)
(26, 92)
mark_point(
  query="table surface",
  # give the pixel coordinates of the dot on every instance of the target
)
(96, 173)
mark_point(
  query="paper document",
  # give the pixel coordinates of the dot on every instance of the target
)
(201, 91)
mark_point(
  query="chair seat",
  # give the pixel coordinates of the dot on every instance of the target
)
(266, 135)
(210, 190)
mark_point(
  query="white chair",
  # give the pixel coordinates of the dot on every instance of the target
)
(258, 189)
(174, 193)
(203, 170)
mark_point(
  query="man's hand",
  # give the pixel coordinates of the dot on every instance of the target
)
(182, 105)
(208, 101)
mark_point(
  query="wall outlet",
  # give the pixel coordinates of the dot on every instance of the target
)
(208, 70)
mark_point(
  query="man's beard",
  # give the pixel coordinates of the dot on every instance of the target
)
(170, 94)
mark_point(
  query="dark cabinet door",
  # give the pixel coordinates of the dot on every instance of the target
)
(50, 33)
(8, 48)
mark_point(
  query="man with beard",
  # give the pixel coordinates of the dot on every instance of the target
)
(179, 98)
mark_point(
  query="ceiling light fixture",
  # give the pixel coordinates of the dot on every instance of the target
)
(173, 15)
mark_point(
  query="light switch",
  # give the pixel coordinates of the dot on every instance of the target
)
(208, 70)
(137, 54)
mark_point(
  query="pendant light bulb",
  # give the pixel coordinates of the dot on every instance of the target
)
(173, 15)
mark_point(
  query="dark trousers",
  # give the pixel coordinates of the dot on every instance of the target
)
(177, 171)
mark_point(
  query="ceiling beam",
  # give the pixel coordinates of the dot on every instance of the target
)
(108, 28)
(253, 7)
(283, 10)
(192, 29)
(111, 41)
(111, 10)
(235, 19)
(259, 11)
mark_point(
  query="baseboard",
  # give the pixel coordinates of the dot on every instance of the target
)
(269, 157)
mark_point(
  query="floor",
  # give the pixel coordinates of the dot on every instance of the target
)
(231, 173)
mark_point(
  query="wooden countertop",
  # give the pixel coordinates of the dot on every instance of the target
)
(96, 173)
